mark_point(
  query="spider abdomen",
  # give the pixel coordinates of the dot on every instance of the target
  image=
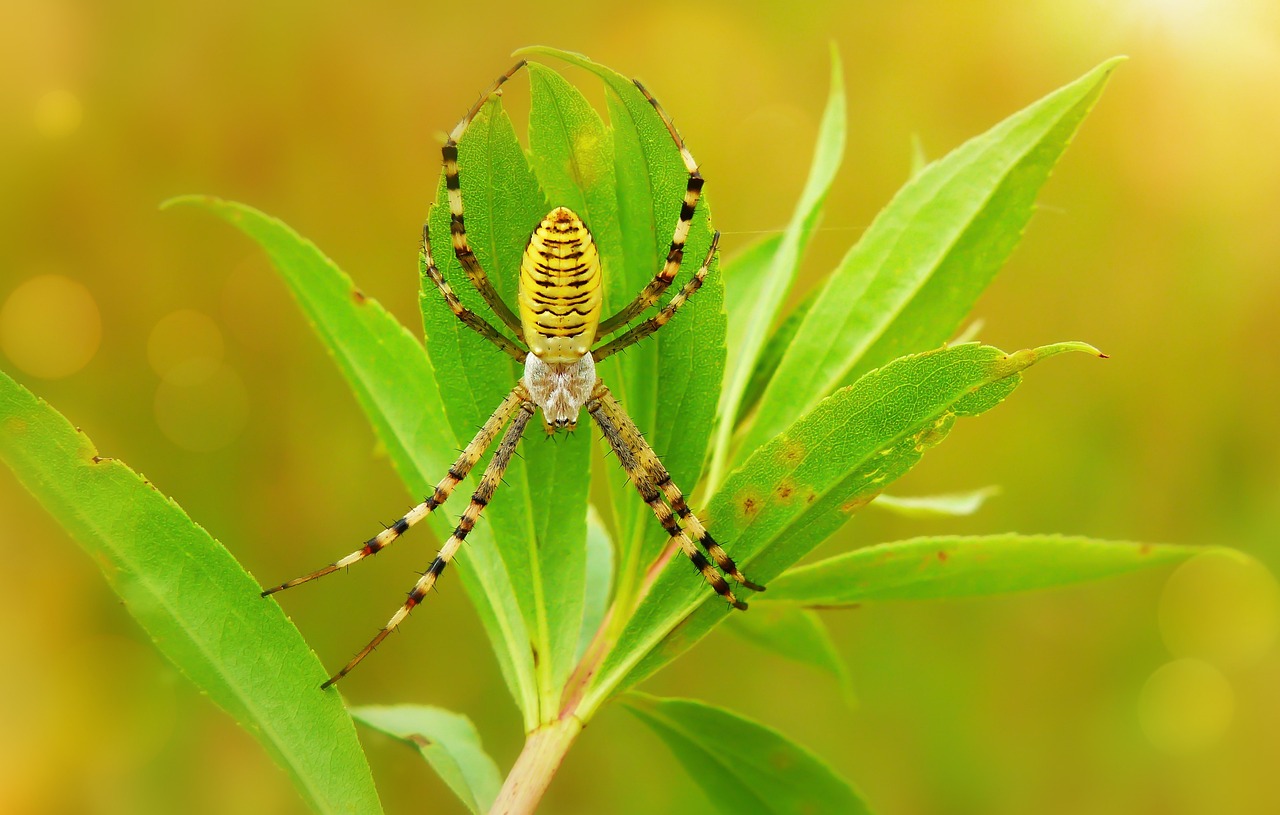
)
(560, 295)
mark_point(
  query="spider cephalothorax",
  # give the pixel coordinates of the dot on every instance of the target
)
(559, 302)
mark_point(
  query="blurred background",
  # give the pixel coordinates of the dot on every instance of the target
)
(169, 340)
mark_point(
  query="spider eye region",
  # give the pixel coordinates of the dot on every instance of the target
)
(560, 292)
(560, 389)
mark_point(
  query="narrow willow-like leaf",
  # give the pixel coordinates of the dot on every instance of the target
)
(600, 569)
(538, 515)
(805, 483)
(770, 357)
(943, 505)
(955, 566)
(682, 366)
(393, 381)
(916, 272)
(450, 744)
(742, 765)
(796, 633)
(756, 306)
(198, 604)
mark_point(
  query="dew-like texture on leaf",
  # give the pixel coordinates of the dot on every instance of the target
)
(743, 766)
(393, 381)
(804, 484)
(450, 744)
(195, 601)
(682, 366)
(959, 566)
(538, 516)
(908, 283)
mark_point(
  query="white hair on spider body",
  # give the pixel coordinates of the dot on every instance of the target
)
(559, 388)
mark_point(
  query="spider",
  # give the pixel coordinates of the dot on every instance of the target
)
(559, 301)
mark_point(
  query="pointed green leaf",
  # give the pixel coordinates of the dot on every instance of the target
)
(393, 381)
(450, 744)
(955, 566)
(771, 356)
(198, 604)
(600, 568)
(742, 765)
(757, 300)
(944, 505)
(682, 366)
(538, 515)
(805, 483)
(796, 633)
(916, 272)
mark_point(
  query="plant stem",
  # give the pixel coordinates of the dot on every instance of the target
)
(544, 749)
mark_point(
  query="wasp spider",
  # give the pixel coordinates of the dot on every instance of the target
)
(559, 302)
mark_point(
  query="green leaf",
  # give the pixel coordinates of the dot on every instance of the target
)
(394, 383)
(944, 505)
(771, 356)
(198, 604)
(916, 272)
(797, 634)
(742, 765)
(600, 568)
(757, 299)
(450, 744)
(953, 566)
(805, 483)
(682, 366)
(539, 514)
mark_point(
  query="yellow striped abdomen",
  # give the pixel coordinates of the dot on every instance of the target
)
(560, 295)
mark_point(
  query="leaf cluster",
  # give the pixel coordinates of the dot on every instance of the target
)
(790, 422)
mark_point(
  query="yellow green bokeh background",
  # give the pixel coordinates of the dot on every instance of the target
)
(168, 339)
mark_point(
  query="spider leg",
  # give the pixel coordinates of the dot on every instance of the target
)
(443, 490)
(457, 226)
(483, 494)
(644, 329)
(671, 267)
(638, 459)
(661, 479)
(469, 317)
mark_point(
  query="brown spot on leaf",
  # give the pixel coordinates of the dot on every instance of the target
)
(785, 490)
(358, 296)
(856, 503)
(811, 497)
(942, 555)
(790, 451)
(751, 502)
(1144, 549)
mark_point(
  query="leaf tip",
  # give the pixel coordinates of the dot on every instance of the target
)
(189, 198)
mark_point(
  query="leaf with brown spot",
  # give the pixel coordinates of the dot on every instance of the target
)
(854, 447)
(956, 566)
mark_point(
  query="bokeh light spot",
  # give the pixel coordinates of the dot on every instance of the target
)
(1220, 606)
(50, 326)
(1186, 706)
(185, 347)
(58, 113)
(205, 416)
